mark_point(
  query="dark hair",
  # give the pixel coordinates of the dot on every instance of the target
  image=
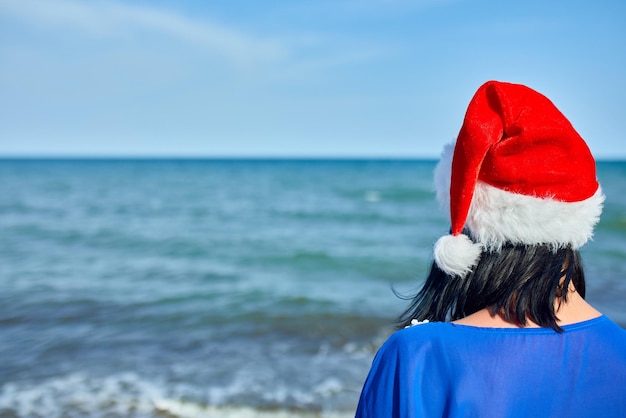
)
(520, 281)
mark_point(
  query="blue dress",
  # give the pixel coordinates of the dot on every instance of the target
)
(442, 369)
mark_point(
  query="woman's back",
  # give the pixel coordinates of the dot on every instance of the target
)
(446, 369)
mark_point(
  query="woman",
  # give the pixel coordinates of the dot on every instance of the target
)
(510, 334)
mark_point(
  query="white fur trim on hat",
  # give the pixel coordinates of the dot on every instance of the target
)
(497, 217)
(456, 255)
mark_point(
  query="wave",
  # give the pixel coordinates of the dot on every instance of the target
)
(129, 395)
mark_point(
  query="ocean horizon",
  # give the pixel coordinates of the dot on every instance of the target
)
(243, 157)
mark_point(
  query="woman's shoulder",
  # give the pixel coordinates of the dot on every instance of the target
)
(429, 335)
(421, 335)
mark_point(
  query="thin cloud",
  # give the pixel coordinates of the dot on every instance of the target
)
(277, 56)
(115, 19)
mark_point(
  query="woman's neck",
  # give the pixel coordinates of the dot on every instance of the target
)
(572, 311)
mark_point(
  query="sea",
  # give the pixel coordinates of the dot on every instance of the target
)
(222, 287)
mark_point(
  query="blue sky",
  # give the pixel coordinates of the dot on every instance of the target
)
(323, 78)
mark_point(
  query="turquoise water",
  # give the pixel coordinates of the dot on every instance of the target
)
(240, 288)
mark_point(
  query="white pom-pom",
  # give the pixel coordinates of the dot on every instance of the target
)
(456, 255)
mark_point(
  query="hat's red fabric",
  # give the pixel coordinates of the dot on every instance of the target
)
(515, 139)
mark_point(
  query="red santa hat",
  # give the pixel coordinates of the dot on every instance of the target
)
(519, 173)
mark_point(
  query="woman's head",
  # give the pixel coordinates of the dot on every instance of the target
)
(518, 174)
(521, 189)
